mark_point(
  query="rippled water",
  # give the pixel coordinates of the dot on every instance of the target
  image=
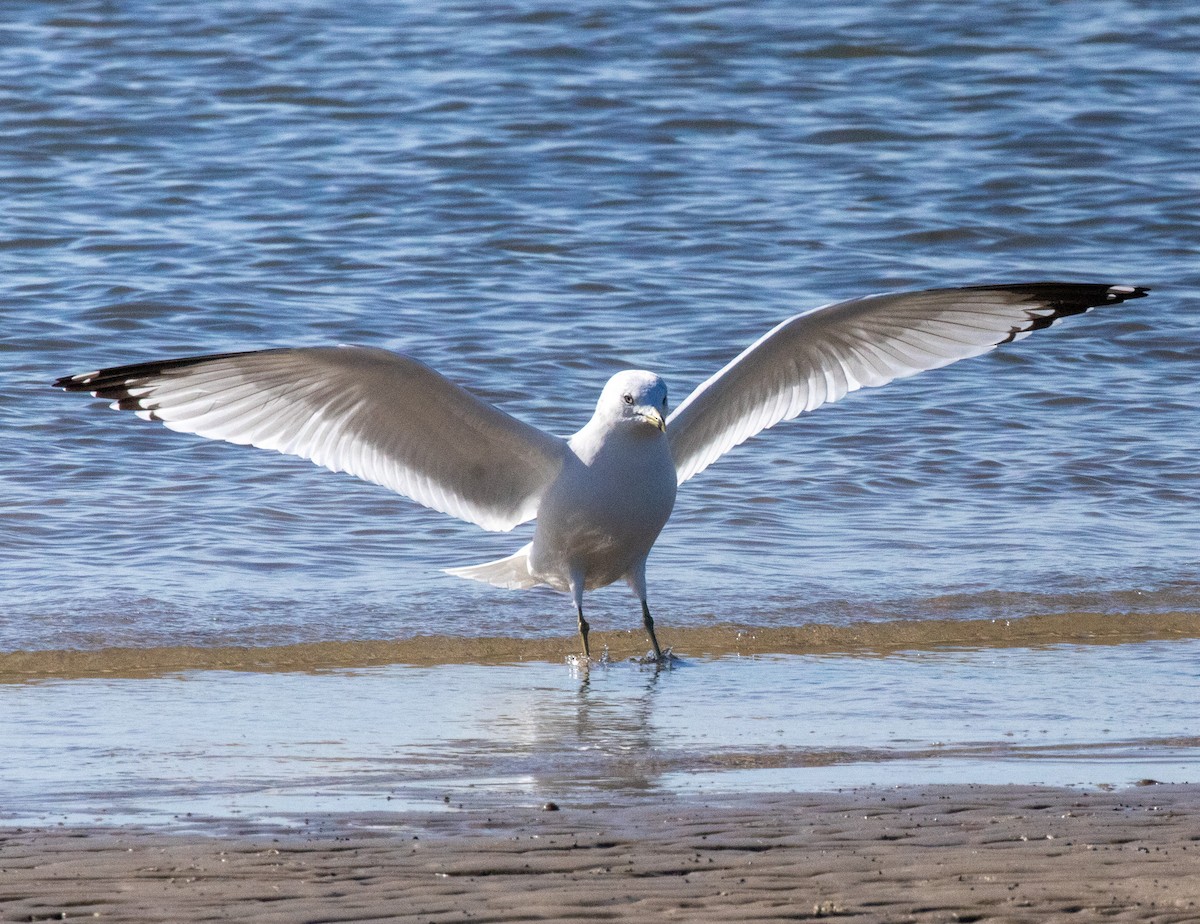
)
(531, 197)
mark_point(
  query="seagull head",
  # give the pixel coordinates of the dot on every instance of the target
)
(635, 397)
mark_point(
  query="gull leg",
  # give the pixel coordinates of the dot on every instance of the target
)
(648, 621)
(577, 593)
(637, 583)
(583, 632)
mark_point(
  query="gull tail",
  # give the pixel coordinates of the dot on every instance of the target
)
(511, 572)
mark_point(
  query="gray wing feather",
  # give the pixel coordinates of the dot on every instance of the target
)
(821, 355)
(381, 416)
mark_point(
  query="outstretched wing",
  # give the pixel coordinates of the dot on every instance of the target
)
(821, 355)
(378, 415)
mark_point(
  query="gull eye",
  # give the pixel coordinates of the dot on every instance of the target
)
(628, 399)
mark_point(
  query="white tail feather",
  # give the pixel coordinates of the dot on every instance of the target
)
(511, 572)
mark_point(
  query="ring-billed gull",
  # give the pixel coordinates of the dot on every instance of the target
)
(602, 496)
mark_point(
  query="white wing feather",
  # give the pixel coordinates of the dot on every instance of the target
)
(822, 355)
(383, 417)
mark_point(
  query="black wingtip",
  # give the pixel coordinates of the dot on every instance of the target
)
(110, 382)
(1077, 296)
(1122, 293)
(75, 382)
(1066, 299)
(1056, 300)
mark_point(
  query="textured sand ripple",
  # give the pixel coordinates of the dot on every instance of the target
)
(932, 854)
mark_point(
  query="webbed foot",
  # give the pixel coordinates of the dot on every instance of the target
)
(663, 658)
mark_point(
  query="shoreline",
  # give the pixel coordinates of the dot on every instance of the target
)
(868, 639)
(926, 853)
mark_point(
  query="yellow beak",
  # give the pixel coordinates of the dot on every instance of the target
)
(654, 417)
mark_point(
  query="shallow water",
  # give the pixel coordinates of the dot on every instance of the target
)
(210, 748)
(534, 196)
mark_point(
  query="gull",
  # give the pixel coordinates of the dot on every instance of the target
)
(602, 496)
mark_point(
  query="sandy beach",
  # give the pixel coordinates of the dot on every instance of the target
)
(960, 853)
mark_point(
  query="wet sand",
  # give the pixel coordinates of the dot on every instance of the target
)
(961, 853)
(866, 638)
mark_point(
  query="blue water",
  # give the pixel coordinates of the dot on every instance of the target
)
(534, 195)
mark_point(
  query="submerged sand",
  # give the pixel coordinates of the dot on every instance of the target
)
(861, 638)
(960, 853)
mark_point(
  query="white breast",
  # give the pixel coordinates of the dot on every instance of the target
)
(607, 507)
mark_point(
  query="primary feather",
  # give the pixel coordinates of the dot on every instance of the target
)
(823, 354)
(383, 417)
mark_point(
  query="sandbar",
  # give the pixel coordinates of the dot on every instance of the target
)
(936, 853)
